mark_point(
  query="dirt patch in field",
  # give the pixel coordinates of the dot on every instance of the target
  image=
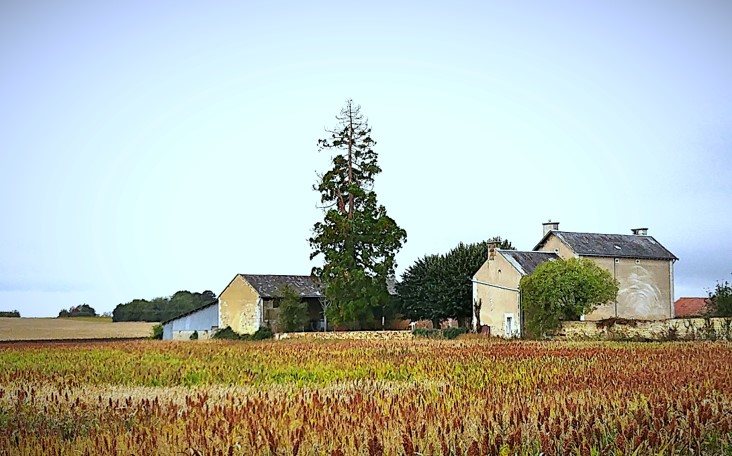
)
(69, 328)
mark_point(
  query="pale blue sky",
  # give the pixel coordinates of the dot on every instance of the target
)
(148, 147)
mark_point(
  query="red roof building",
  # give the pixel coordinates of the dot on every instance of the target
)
(690, 307)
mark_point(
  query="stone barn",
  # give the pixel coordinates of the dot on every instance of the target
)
(248, 302)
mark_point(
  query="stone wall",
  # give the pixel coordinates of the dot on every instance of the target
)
(186, 335)
(673, 329)
(352, 335)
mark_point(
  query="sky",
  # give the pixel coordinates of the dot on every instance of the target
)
(150, 147)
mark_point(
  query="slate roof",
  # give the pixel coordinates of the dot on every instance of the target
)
(526, 262)
(690, 307)
(268, 286)
(611, 245)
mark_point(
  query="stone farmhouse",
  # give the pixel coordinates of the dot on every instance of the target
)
(251, 301)
(642, 266)
(248, 302)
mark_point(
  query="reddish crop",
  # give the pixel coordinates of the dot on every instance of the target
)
(366, 397)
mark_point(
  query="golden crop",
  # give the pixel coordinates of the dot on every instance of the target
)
(465, 397)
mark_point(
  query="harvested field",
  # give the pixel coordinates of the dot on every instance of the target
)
(12, 329)
(353, 397)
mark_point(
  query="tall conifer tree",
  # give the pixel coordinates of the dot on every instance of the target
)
(357, 240)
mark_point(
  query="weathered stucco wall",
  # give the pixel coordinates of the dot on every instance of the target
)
(553, 244)
(681, 329)
(240, 307)
(204, 319)
(645, 287)
(496, 303)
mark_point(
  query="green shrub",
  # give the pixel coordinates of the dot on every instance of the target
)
(229, 334)
(452, 333)
(447, 333)
(226, 334)
(426, 333)
(157, 332)
(262, 333)
(194, 336)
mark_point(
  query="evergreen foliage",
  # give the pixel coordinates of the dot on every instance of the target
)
(438, 287)
(563, 290)
(10, 314)
(721, 300)
(357, 240)
(161, 309)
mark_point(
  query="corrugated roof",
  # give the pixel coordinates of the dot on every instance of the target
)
(690, 307)
(526, 262)
(612, 245)
(269, 286)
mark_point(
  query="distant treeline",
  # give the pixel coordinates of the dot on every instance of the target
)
(11, 314)
(84, 310)
(161, 309)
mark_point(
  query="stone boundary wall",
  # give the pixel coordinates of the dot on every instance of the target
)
(186, 335)
(348, 335)
(673, 329)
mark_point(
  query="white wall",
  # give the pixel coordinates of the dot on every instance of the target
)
(201, 320)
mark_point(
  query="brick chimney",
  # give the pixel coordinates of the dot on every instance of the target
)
(492, 250)
(640, 231)
(550, 226)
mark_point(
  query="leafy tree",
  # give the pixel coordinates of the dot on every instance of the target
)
(162, 308)
(293, 312)
(563, 290)
(721, 300)
(357, 239)
(10, 314)
(438, 287)
(84, 310)
(157, 332)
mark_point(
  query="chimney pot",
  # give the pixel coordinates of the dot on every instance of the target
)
(550, 226)
(640, 231)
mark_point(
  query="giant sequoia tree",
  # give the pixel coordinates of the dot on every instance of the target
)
(357, 240)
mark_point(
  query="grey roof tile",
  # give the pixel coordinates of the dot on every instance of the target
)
(526, 262)
(268, 286)
(612, 245)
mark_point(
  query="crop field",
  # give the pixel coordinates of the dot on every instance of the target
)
(465, 397)
(70, 328)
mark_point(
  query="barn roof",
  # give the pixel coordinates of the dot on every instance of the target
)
(526, 262)
(611, 245)
(269, 285)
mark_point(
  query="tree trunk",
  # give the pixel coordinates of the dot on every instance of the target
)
(436, 323)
